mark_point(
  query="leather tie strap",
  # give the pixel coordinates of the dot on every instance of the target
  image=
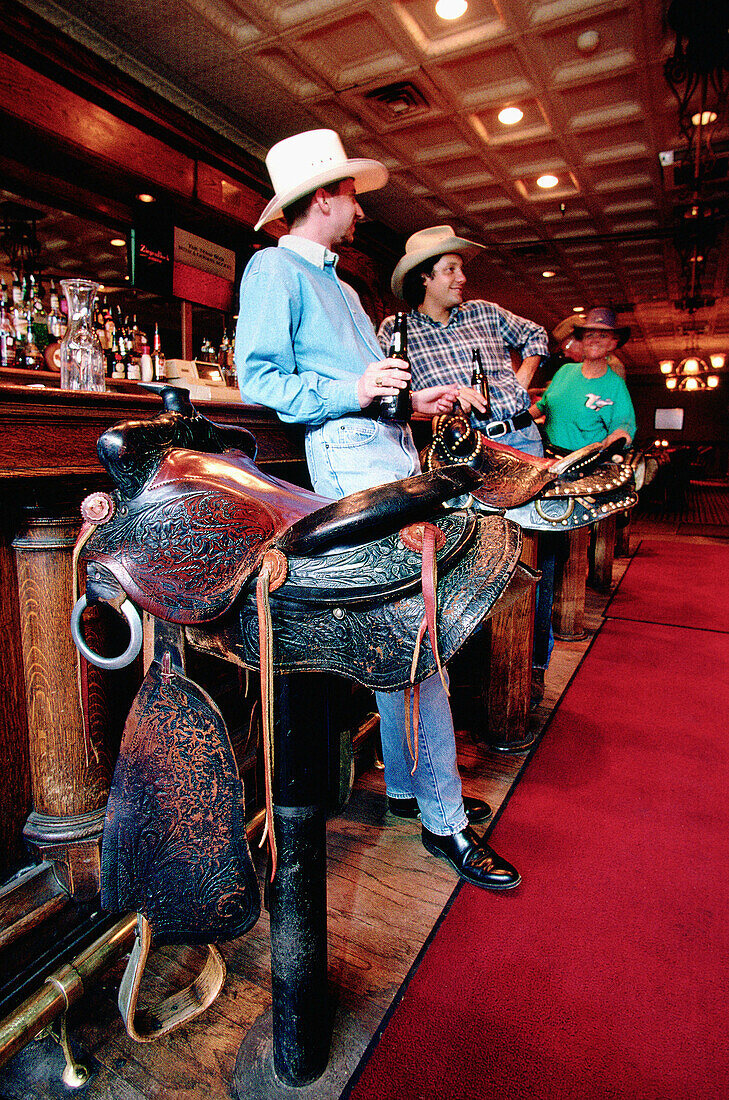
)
(273, 573)
(426, 539)
(146, 1025)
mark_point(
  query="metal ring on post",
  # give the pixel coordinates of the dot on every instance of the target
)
(132, 616)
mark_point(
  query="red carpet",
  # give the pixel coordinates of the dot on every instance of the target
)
(605, 974)
(682, 583)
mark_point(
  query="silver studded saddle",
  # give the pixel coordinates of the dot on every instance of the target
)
(540, 494)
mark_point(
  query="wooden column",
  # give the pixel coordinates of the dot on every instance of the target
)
(622, 534)
(568, 610)
(69, 789)
(508, 672)
(602, 552)
(15, 788)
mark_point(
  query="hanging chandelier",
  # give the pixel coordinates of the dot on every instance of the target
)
(693, 372)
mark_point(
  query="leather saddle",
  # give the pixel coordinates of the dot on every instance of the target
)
(380, 587)
(539, 494)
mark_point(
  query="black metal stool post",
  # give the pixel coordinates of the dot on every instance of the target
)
(298, 893)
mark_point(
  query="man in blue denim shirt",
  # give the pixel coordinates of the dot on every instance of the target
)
(305, 347)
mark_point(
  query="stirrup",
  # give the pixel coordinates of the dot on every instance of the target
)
(149, 1024)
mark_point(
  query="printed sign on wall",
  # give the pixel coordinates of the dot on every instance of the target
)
(204, 272)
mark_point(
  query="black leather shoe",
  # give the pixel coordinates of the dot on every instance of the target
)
(476, 811)
(473, 859)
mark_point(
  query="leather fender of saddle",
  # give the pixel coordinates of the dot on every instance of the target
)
(537, 493)
(174, 847)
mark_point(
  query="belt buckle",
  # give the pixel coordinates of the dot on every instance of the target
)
(495, 430)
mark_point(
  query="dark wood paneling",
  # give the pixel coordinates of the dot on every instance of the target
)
(42, 103)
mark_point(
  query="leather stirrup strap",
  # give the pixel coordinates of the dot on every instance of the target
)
(146, 1025)
(429, 581)
(273, 573)
(426, 538)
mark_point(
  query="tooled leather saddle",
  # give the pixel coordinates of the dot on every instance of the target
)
(380, 587)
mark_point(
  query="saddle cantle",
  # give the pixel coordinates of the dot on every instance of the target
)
(540, 494)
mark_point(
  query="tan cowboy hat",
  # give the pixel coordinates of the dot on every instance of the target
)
(299, 164)
(603, 318)
(435, 241)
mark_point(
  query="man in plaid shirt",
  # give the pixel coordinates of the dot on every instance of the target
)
(443, 330)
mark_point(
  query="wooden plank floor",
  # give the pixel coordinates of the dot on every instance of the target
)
(384, 895)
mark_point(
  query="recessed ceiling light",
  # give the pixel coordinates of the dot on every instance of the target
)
(548, 274)
(451, 9)
(578, 309)
(509, 116)
(144, 197)
(703, 117)
(547, 181)
(117, 242)
(588, 41)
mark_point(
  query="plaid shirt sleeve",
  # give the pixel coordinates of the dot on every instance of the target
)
(384, 333)
(441, 354)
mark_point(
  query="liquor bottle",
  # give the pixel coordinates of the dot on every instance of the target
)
(109, 326)
(55, 321)
(145, 364)
(398, 407)
(7, 332)
(479, 382)
(138, 337)
(36, 299)
(36, 314)
(30, 356)
(112, 357)
(17, 315)
(158, 360)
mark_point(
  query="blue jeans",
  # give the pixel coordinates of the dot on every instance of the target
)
(345, 456)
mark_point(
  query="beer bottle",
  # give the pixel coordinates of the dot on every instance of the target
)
(398, 407)
(159, 365)
(479, 382)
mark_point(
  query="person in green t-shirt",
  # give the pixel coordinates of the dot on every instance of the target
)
(588, 402)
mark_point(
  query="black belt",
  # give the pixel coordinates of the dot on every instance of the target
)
(497, 428)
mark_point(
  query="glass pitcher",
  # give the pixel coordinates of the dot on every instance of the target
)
(83, 364)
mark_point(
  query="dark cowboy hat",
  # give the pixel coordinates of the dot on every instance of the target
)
(603, 318)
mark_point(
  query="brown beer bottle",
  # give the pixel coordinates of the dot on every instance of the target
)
(479, 382)
(400, 405)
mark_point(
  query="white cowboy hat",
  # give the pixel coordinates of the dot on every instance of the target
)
(299, 164)
(435, 241)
